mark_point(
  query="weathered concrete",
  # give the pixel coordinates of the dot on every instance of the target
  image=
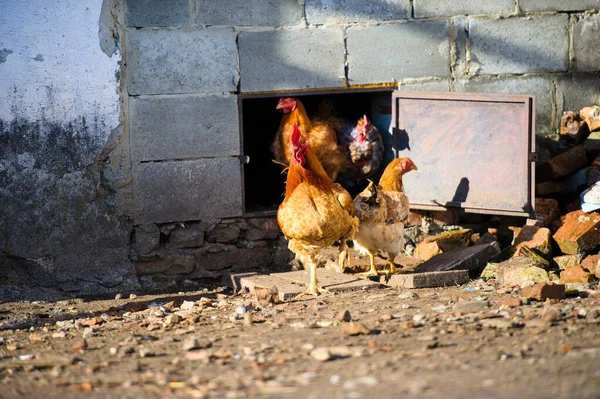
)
(338, 11)
(576, 92)
(539, 86)
(425, 280)
(586, 39)
(188, 190)
(184, 127)
(520, 45)
(248, 12)
(419, 49)
(558, 5)
(154, 13)
(181, 61)
(433, 8)
(59, 105)
(291, 59)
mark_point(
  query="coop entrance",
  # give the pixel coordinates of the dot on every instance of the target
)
(264, 184)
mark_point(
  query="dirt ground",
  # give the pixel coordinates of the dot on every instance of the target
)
(453, 342)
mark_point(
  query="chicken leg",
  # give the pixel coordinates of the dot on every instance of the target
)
(313, 289)
(392, 269)
(373, 270)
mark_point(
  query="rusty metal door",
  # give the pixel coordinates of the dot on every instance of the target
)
(473, 151)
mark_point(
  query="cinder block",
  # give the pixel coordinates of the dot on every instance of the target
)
(558, 5)
(586, 41)
(426, 280)
(188, 190)
(574, 93)
(436, 8)
(181, 61)
(338, 11)
(388, 53)
(520, 45)
(539, 86)
(154, 13)
(248, 12)
(291, 59)
(167, 128)
(430, 85)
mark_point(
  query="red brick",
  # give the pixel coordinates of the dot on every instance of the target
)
(546, 211)
(592, 264)
(576, 274)
(445, 217)
(543, 291)
(445, 242)
(533, 237)
(509, 302)
(562, 165)
(580, 232)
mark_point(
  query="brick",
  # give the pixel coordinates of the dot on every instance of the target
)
(580, 232)
(539, 86)
(562, 165)
(546, 211)
(249, 12)
(140, 13)
(291, 59)
(444, 242)
(147, 238)
(566, 261)
(574, 93)
(184, 127)
(576, 274)
(536, 238)
(586, 39)
(520, 271)
(433, 8)
(262, 229)
(213, 263)
(341, 11)
(520, 45)
(181, 61)
(509, 302)
(234, 280)
(226, 231)
(592, 264)
(425, 279)
(429, 85)
(558, 5)
(543, 291)
(474, 259)
(420, 49)
(415, 218)
(447, 217)
(188, 190)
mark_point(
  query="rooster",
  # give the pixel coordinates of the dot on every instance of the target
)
(364, 151)
(316, 212)
(383, 211)
(320, 133)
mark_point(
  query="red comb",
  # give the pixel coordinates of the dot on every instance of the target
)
(296, 135)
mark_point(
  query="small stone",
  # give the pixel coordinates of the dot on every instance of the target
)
(498, 324)
(132, 296)
(343, 315)
(576, 274)
(241, 310)
(551, 314)
(80, 345)
(146, 352)
(187, 305)
(321, 354)
(408, 295)
(198, 355)
(172, 319)
(509, 302)
(470, 306)
(543, 291)
(368, 381)
(34, 337)
(355, 328)
(113, 351)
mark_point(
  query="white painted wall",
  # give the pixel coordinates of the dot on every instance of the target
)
(57, 71)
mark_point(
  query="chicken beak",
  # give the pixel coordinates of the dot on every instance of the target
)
(414, 167)
(279, 106)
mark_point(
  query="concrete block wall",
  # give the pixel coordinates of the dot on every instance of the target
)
(186, 64)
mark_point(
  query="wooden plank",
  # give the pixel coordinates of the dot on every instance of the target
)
(425, 280)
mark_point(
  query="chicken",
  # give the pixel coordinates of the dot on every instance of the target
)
(364, 151)
(315, 212)
(320, 133)
(383, 211)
